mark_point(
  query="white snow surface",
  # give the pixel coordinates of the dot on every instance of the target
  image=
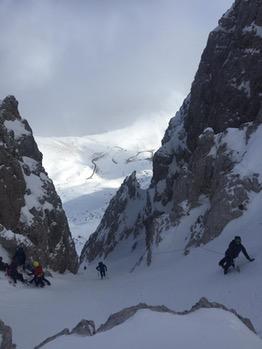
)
(35, 192)
(244, 152)
(17, 127)
(173, 279)
(253, 28)
(10, 235)
(213, 328)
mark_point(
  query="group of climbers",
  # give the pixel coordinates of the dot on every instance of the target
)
(36, 269)
(17, 267)
(232, 252)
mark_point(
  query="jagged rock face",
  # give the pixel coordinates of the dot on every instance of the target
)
(117, 223)
(30, 210)
(227, 87)
(225, 94)
(197, 159)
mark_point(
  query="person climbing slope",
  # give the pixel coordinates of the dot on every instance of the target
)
(232, 252)
(3, 265)
(39, 276)
(102, 268)
(20, 256)
(12, 272)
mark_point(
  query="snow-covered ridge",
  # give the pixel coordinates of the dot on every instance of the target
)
(205, 325)
(10, 235)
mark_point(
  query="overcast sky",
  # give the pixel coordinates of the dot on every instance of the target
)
(88, 66)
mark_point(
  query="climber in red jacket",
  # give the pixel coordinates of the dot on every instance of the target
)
(39, 275)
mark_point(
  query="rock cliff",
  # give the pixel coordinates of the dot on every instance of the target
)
(207, 157)
(31, 212)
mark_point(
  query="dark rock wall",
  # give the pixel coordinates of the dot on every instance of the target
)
(226, 91)
(29, 204)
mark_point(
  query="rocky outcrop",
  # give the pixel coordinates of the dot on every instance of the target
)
(83, 328)
(31, 212)
(64, 332)
(203, 152)
(87, 327)
(6, 337)
(204, 303)
(117, 223)
(226, 91)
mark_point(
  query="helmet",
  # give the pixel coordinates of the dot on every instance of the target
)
(238, 239)
(35, 264)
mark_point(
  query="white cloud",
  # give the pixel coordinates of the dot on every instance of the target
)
(90, 66)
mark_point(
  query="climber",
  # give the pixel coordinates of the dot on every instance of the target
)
(39, 276)
(234, 248)
(12, 272)
(3, 266)
(102, 268)
(19, 256)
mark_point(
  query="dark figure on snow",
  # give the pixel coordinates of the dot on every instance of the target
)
(12, 272)
(102, 268)
(234, 248)
(39, 275)
(3, 266)
(20, 256)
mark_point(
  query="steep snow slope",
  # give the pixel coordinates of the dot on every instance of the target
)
(88, 170)
(173, 279)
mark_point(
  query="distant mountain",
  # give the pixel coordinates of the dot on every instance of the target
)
(208, 169)
(31, 212)
(87, 171)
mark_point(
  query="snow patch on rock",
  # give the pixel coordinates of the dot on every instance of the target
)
(17, 127)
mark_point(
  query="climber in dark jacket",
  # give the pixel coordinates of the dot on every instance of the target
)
(20, 256)
(102, 268)
(12, 272)
(3, 266)
(234, 248)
